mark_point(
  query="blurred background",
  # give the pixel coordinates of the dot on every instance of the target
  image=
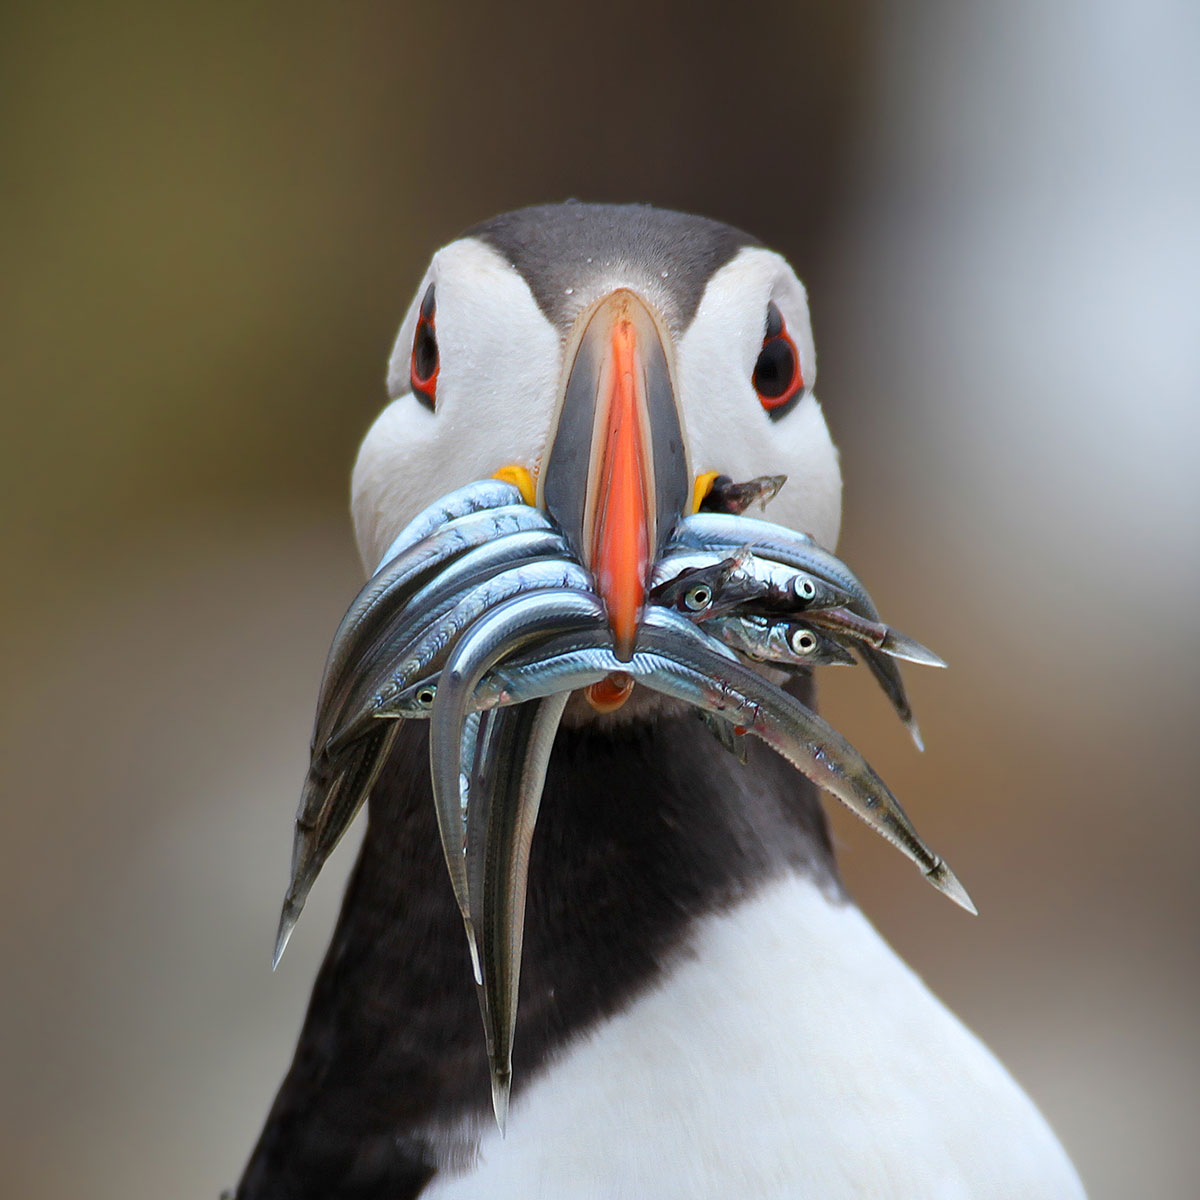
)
(213, 222)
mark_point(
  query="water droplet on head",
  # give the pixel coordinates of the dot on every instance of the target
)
(587, 260)
(665, 274)
(569, 292)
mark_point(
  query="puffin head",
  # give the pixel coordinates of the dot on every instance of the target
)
(615, 358)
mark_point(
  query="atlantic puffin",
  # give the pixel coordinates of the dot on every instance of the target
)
(704, 1012)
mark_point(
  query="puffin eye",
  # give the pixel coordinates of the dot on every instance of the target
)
(423, 371)
(777, 378)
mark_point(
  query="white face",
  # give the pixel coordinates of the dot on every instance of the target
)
(502, 369)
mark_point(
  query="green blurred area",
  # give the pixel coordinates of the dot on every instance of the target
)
(213, 221)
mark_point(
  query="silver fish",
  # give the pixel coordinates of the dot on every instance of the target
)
(475, 497)
(505, 794)
(703, 588)
(472, 497)
(387, 592)
(425, 652)
(673, 656)
(812, 746)
(447, 586)
(718, 531)
(423, 608)
(567, 662)
(742, 580)
(458, 528)
(327, 806)
(779, 640)
(508, 627)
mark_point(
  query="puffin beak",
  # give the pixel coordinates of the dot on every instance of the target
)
(616, 476)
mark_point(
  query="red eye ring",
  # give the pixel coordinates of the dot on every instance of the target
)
(777, 376)
(425, 363)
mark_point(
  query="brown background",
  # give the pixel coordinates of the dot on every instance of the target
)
(213, 224)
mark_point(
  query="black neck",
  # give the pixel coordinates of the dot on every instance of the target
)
(640, 833)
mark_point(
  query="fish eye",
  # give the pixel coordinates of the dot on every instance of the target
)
(425, 364)
(803, 641)
(806, 589)
(425, 696)
(777, 377)
(698, 597)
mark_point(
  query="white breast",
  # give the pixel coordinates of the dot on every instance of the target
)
(789, 1054)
